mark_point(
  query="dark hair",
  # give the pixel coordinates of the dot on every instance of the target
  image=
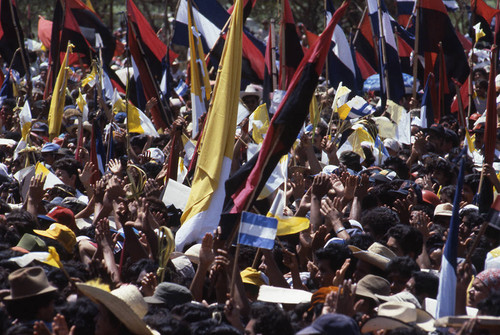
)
(409, 238)
(270, 319)
(426, 284)
(379, 220)
(448, 191)
(133, 271)
(336, 254)
(191, 312)
(397, 165)
(71, 166)
(163, 322)
(27, 308)
(362, 241)
(490, 305)
(405, 266)
(22, 220)
(472, 180)
(81, 314)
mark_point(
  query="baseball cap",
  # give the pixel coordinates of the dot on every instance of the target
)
(61, 234)
(50, 147)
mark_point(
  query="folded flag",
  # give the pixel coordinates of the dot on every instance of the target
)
(287, 225)
(355, 108)
(257, 230)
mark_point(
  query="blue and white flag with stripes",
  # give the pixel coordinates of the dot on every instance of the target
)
(257, 230)
(448, 277)
(181, 89)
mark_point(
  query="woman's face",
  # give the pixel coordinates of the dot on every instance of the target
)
(477, 292)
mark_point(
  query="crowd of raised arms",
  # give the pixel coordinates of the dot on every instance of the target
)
(181, 187)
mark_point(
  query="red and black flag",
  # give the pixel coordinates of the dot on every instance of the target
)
(148, 51)
(245, 185)
(484, 14)
(435, 27)
(9, 40)
(291, 52)
(79, 24)
(364, 47)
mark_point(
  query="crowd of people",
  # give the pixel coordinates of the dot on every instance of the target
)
(86, 250)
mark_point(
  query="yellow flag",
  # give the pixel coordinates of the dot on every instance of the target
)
(200, 81)
(260, 123)
(287, 225)
(91, 77)
(314, 112)
(478, 31)
(59, 97)
(204, 205)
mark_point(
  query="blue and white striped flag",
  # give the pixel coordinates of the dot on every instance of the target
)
(182, 88)
(447, 276)
(257, 230)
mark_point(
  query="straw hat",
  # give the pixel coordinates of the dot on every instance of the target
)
(392, 315)
(27, 283)
(377, 254)
(126, 303)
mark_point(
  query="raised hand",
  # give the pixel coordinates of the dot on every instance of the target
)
(86, 174)
(151, 189)
(36, 191)
(115, 166)
(148, 284)
(321, 185)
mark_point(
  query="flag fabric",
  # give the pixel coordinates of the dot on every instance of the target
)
(181, 89)
(205, 202)
(269, 69)
(287, 225)
(137, 121)
(384, 30)
(245, 185)
(210, 18)
(291, 53)
(435, 26)
(426, 110)
(257, 230)
(464, 96)
(366, 56)
(97, 152)
(482, 17)
(8, 36)
(248, 5)
(58, 97)
(355, 108)
(44, 31)
(25, 120)
(490, 131)
(148, 52)
(200, 81)
(405, 11)
(447, 276)
(341, 62)
(259, 120)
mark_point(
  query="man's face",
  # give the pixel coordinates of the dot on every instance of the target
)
(325, 273)
(393, 244)
(65, 177)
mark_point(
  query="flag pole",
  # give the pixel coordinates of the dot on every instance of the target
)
(355, 38)
(283, 51)
(21, 46)
(274, 73)
(494, 56)
(416, 49)
(471, 63)
(384, 54)
(326, 62)
(155, 84)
